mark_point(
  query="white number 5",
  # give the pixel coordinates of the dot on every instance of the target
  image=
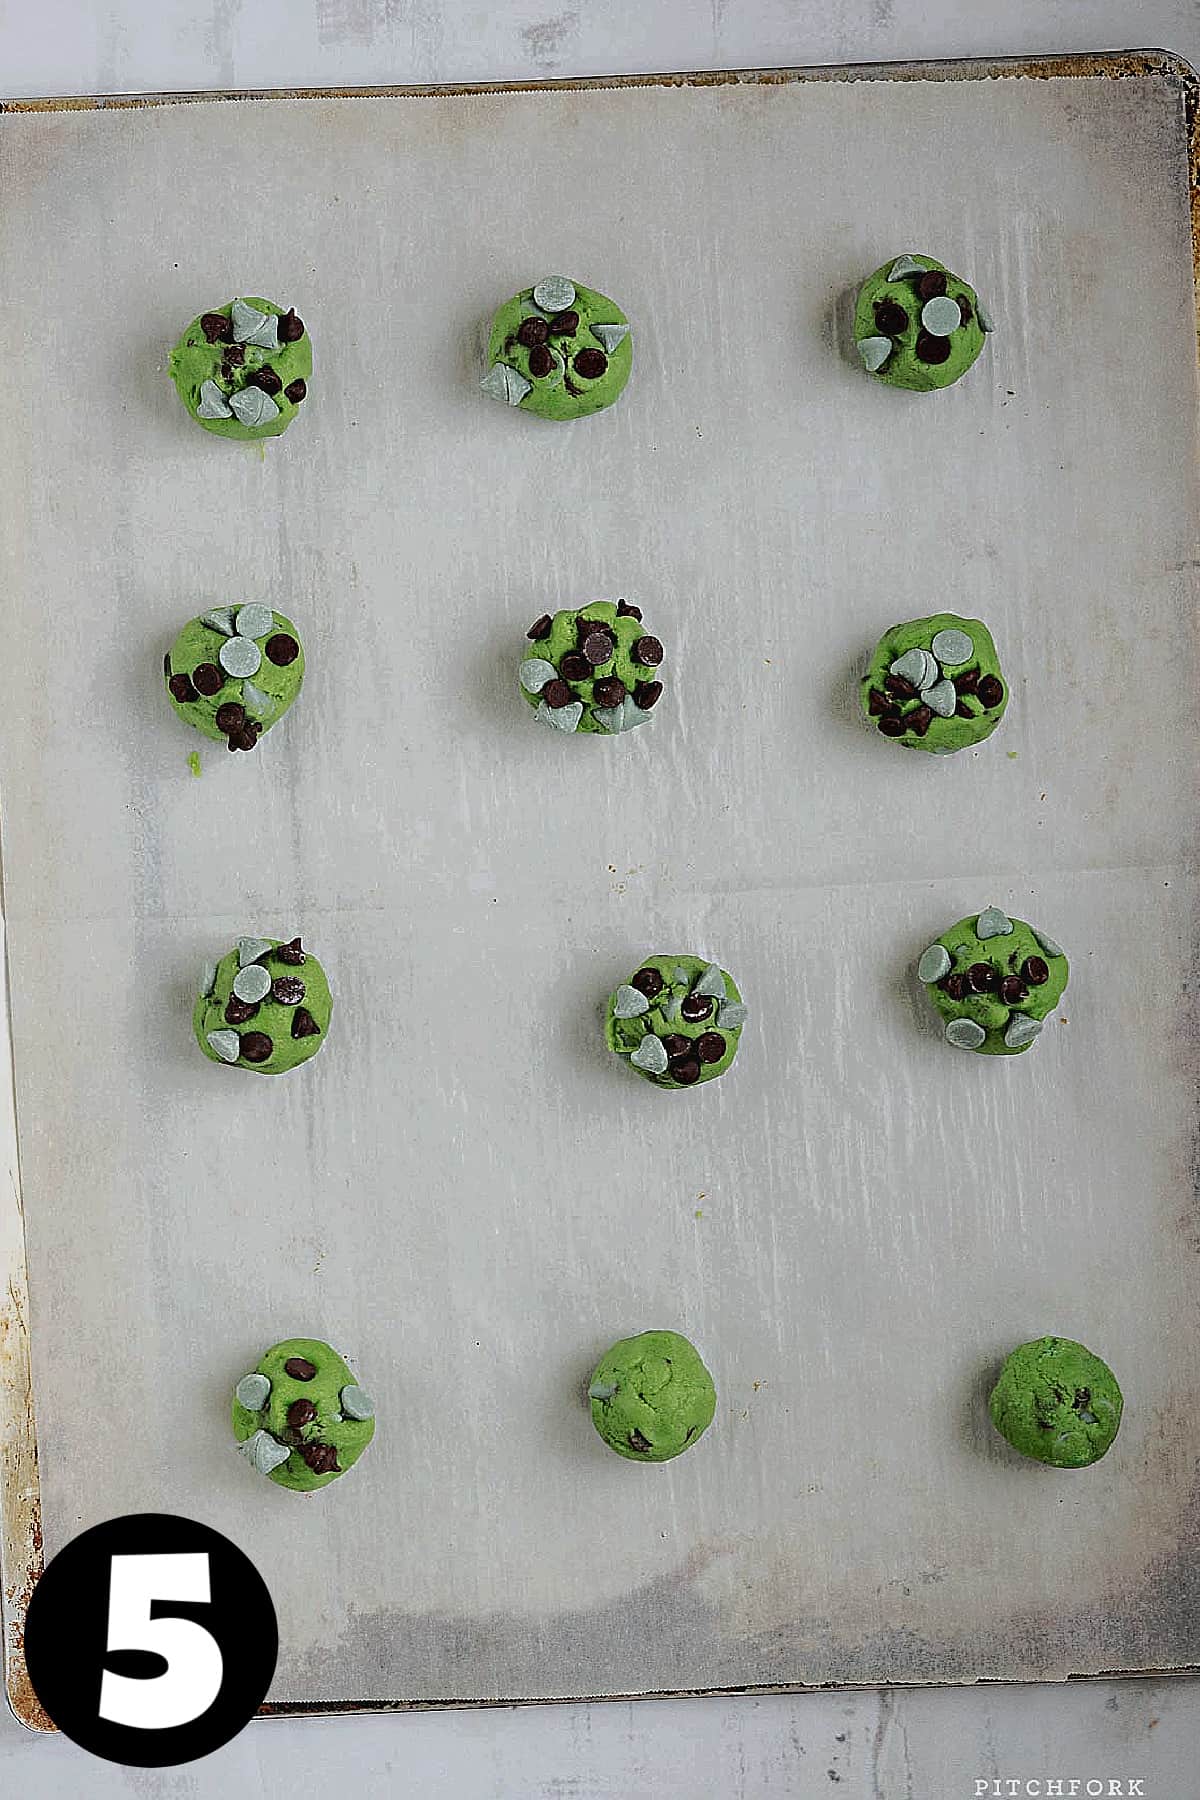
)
(194, 1663)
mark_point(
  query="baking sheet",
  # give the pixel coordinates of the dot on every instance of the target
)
(464, 1192)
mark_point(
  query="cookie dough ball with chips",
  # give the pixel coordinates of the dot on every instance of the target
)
(935, 684)
(301, 1418)
(917, 325)
(558, 350)
(234, 671)
(265, 1006)
(677, 1021)
(652, 1397)
(594, 670)
(243, 369)
(1056, 1402)
(994, 980)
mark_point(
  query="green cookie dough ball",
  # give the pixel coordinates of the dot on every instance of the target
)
(558, 350)
(994, 980)
(243, 370)
(652, 1397)
(265, 1006)
(677, 1020)
(935, 684)
(233, 672)
(301, 1418)
(596, 670)
(918, 326)
(1057, 1402)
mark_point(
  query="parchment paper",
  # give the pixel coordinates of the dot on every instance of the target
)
(464, 1192)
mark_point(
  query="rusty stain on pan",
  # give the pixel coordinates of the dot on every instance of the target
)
(21, 1556)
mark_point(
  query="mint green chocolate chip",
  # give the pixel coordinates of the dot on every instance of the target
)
(255, 621)
(952, 647)
(874, 352)
(554, 294)
(213, 402)
(504, 383)
(941, 698)
(227, 1044)
(602, 1390)
(680, 977)
(731, 1015)
(221, 619)
(984, 317)
(940, 316)
(650, 1055)
(905, 265)
(993, 923)
(965, 1034)
(917, 666)
(711, 983)
(1047, 942)
(357, 1403)
(534, 673)
(628, 1002)
(252, 406)
(263, 1452)
(252, 984)
(255, 701)
(250, 949)
(563, 718)
(1021, 1030)
(253, 327)
(610, 336)
(240, 656)
(208, 980)
(935, 962)
(253, 1392)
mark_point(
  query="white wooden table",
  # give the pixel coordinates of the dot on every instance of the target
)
(934, 1745)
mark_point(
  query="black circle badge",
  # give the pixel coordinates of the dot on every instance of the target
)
(151, 1640)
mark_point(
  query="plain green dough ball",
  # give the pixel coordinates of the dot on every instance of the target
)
(300, 1417)
(243, 369)
(1057, 1402)
(558, 350)
(652, 1397)
(917, 325)
(993, 980)
(231, 707)
(677, 1021)
(265, 1006)
(596, 669)
(935, 684)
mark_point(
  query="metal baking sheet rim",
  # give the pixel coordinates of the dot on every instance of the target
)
(21, 1556)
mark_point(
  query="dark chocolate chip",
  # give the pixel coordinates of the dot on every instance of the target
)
(299, 1368)
(932, 349)
(685, 1070)
(877, 703)
(919, 720)
(648, 982)
(647, 694)
(167, 665)
(696, 1006)
(556, 693)
(291, 329)
(321, 1458)
(610, 690)
(676, 1045)
(296, 391)
(710, 1046)
(931, 283)
(899, 687)
(256, 1046)
(532, 332)
(233, 357)
(208, 679)
(290, 953)
(564, 324)
(1082, 1400)
(955, 984)
(266, 379)
(967, 682)
(890, 318)
(303, 1024)
(231, 716)
(282, 649)
(246, 738)
(575, 667)
(288, 990)
(892, 725)
(540, 628)
(964, 308)
(541, 360)
(300, 1413)
(990, 691)
(962, 710)
(1012, 990)
(637, 1441)
(182, 689)
(590, 363)
(629, 612)
(982, 978)
(238, 1012)
(648, 651)
(1035, 971)
(216, 328)
(598, 647)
